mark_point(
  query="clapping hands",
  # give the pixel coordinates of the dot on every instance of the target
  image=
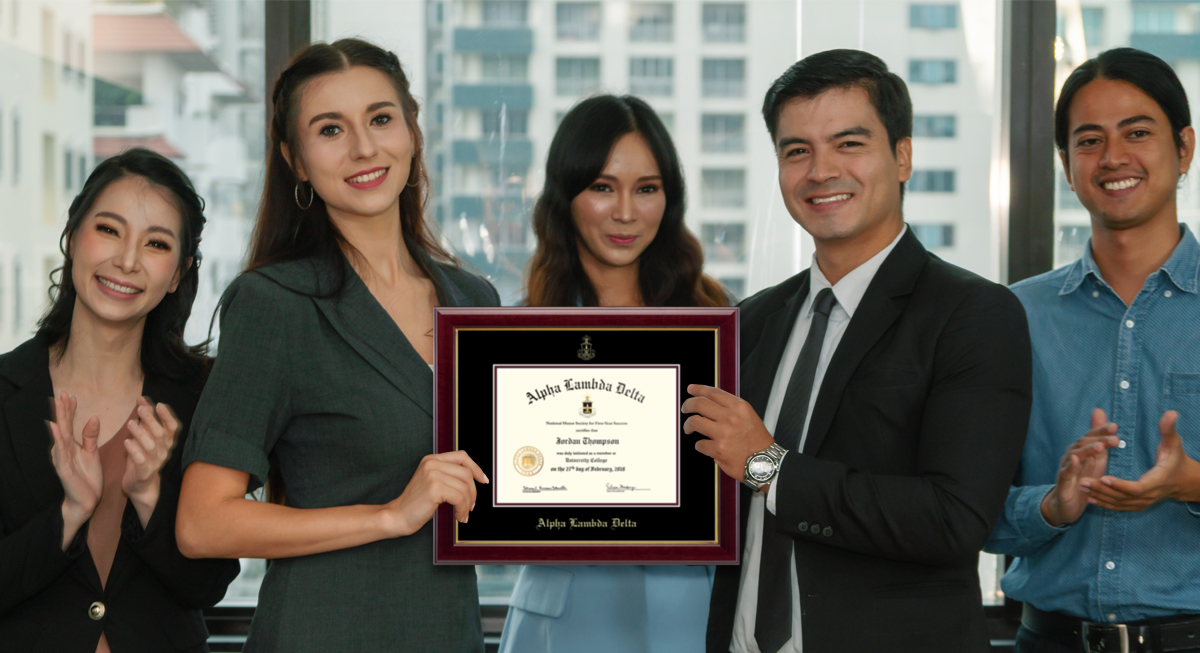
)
(77, 465)
(1082, 480)
(81, 473)
(149, 447)
(1173, 476)
(1085, 460)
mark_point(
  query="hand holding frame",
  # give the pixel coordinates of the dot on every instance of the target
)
(734, 430)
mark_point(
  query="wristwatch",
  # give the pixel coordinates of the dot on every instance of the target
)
(761, 467)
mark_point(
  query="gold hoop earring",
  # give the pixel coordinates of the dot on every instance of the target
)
(311, 197)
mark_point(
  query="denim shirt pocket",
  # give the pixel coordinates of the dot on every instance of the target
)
(1181, 393)
(1182, 384)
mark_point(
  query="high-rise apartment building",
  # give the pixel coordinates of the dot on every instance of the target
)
(502, 73)
(45, 147)
(947, 54)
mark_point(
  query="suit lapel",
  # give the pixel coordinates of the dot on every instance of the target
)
(25, 414)
(156, 390)
(366, 326)
(763, 360)
(881, 305)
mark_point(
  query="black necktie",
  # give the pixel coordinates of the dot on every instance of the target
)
(773, 620)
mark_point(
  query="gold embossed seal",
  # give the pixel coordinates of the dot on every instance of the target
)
(528, 461)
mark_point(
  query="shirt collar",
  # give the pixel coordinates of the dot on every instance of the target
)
(849, 290)
(1182, 268)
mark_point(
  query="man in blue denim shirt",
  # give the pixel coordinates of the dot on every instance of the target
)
(1106, 527)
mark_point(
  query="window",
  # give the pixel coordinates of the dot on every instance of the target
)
(724, 242)
(505, 13)
(651, 21)
(934, 126)
(1067, 199)
(17, 292)
(722, 133)
(668, 120)
(578, 21)
(1072, 240)
(723, 189)
(723, 77)
(932, 71)
(933, 16)
(16, 147)
(735, 285)
(81, 63)
(500, 120)
(48, 85)
(49, 178)
(651, 76)
(1093, 26)
(931, 181)
(724, 22)
(933, 236)
(577, 76)
(67, 54)
(505, 67)
(1153, 20)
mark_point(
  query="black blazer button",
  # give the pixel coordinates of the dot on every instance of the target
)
(815, 529)
(827, 532)
(96, 611)
(803, 527)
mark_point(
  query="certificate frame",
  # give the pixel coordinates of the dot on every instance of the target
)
(473, 343)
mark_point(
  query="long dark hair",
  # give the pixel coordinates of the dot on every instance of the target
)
(286, 232)
(1148, 73)
(163, 351)
(669, 269)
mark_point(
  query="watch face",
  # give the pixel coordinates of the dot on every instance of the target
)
(761, 468)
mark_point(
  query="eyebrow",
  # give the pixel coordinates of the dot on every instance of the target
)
(122, 220)
(852, 131)
(646, 178)
(334, 115)
(1124, 123)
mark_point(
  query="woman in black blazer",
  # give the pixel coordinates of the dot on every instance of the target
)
(88, 560)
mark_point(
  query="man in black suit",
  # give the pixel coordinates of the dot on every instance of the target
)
(886, 399)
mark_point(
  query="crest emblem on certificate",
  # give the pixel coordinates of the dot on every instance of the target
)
(587, 410)
(528, 461)
(586, 351)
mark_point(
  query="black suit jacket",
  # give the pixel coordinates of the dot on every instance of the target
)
(153, 595)
(912, 445)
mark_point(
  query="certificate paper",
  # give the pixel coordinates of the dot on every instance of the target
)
(600, 435)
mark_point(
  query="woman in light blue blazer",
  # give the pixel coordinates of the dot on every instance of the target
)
(610, 232)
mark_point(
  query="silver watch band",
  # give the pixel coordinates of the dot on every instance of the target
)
(775, 453)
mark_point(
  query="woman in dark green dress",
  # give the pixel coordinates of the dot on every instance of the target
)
(322, 388)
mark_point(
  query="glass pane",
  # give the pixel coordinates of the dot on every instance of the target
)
(949, 55)
(488, 118)
(85, 81)
(491, 104)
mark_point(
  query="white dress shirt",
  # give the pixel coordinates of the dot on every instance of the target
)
(849, 292)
